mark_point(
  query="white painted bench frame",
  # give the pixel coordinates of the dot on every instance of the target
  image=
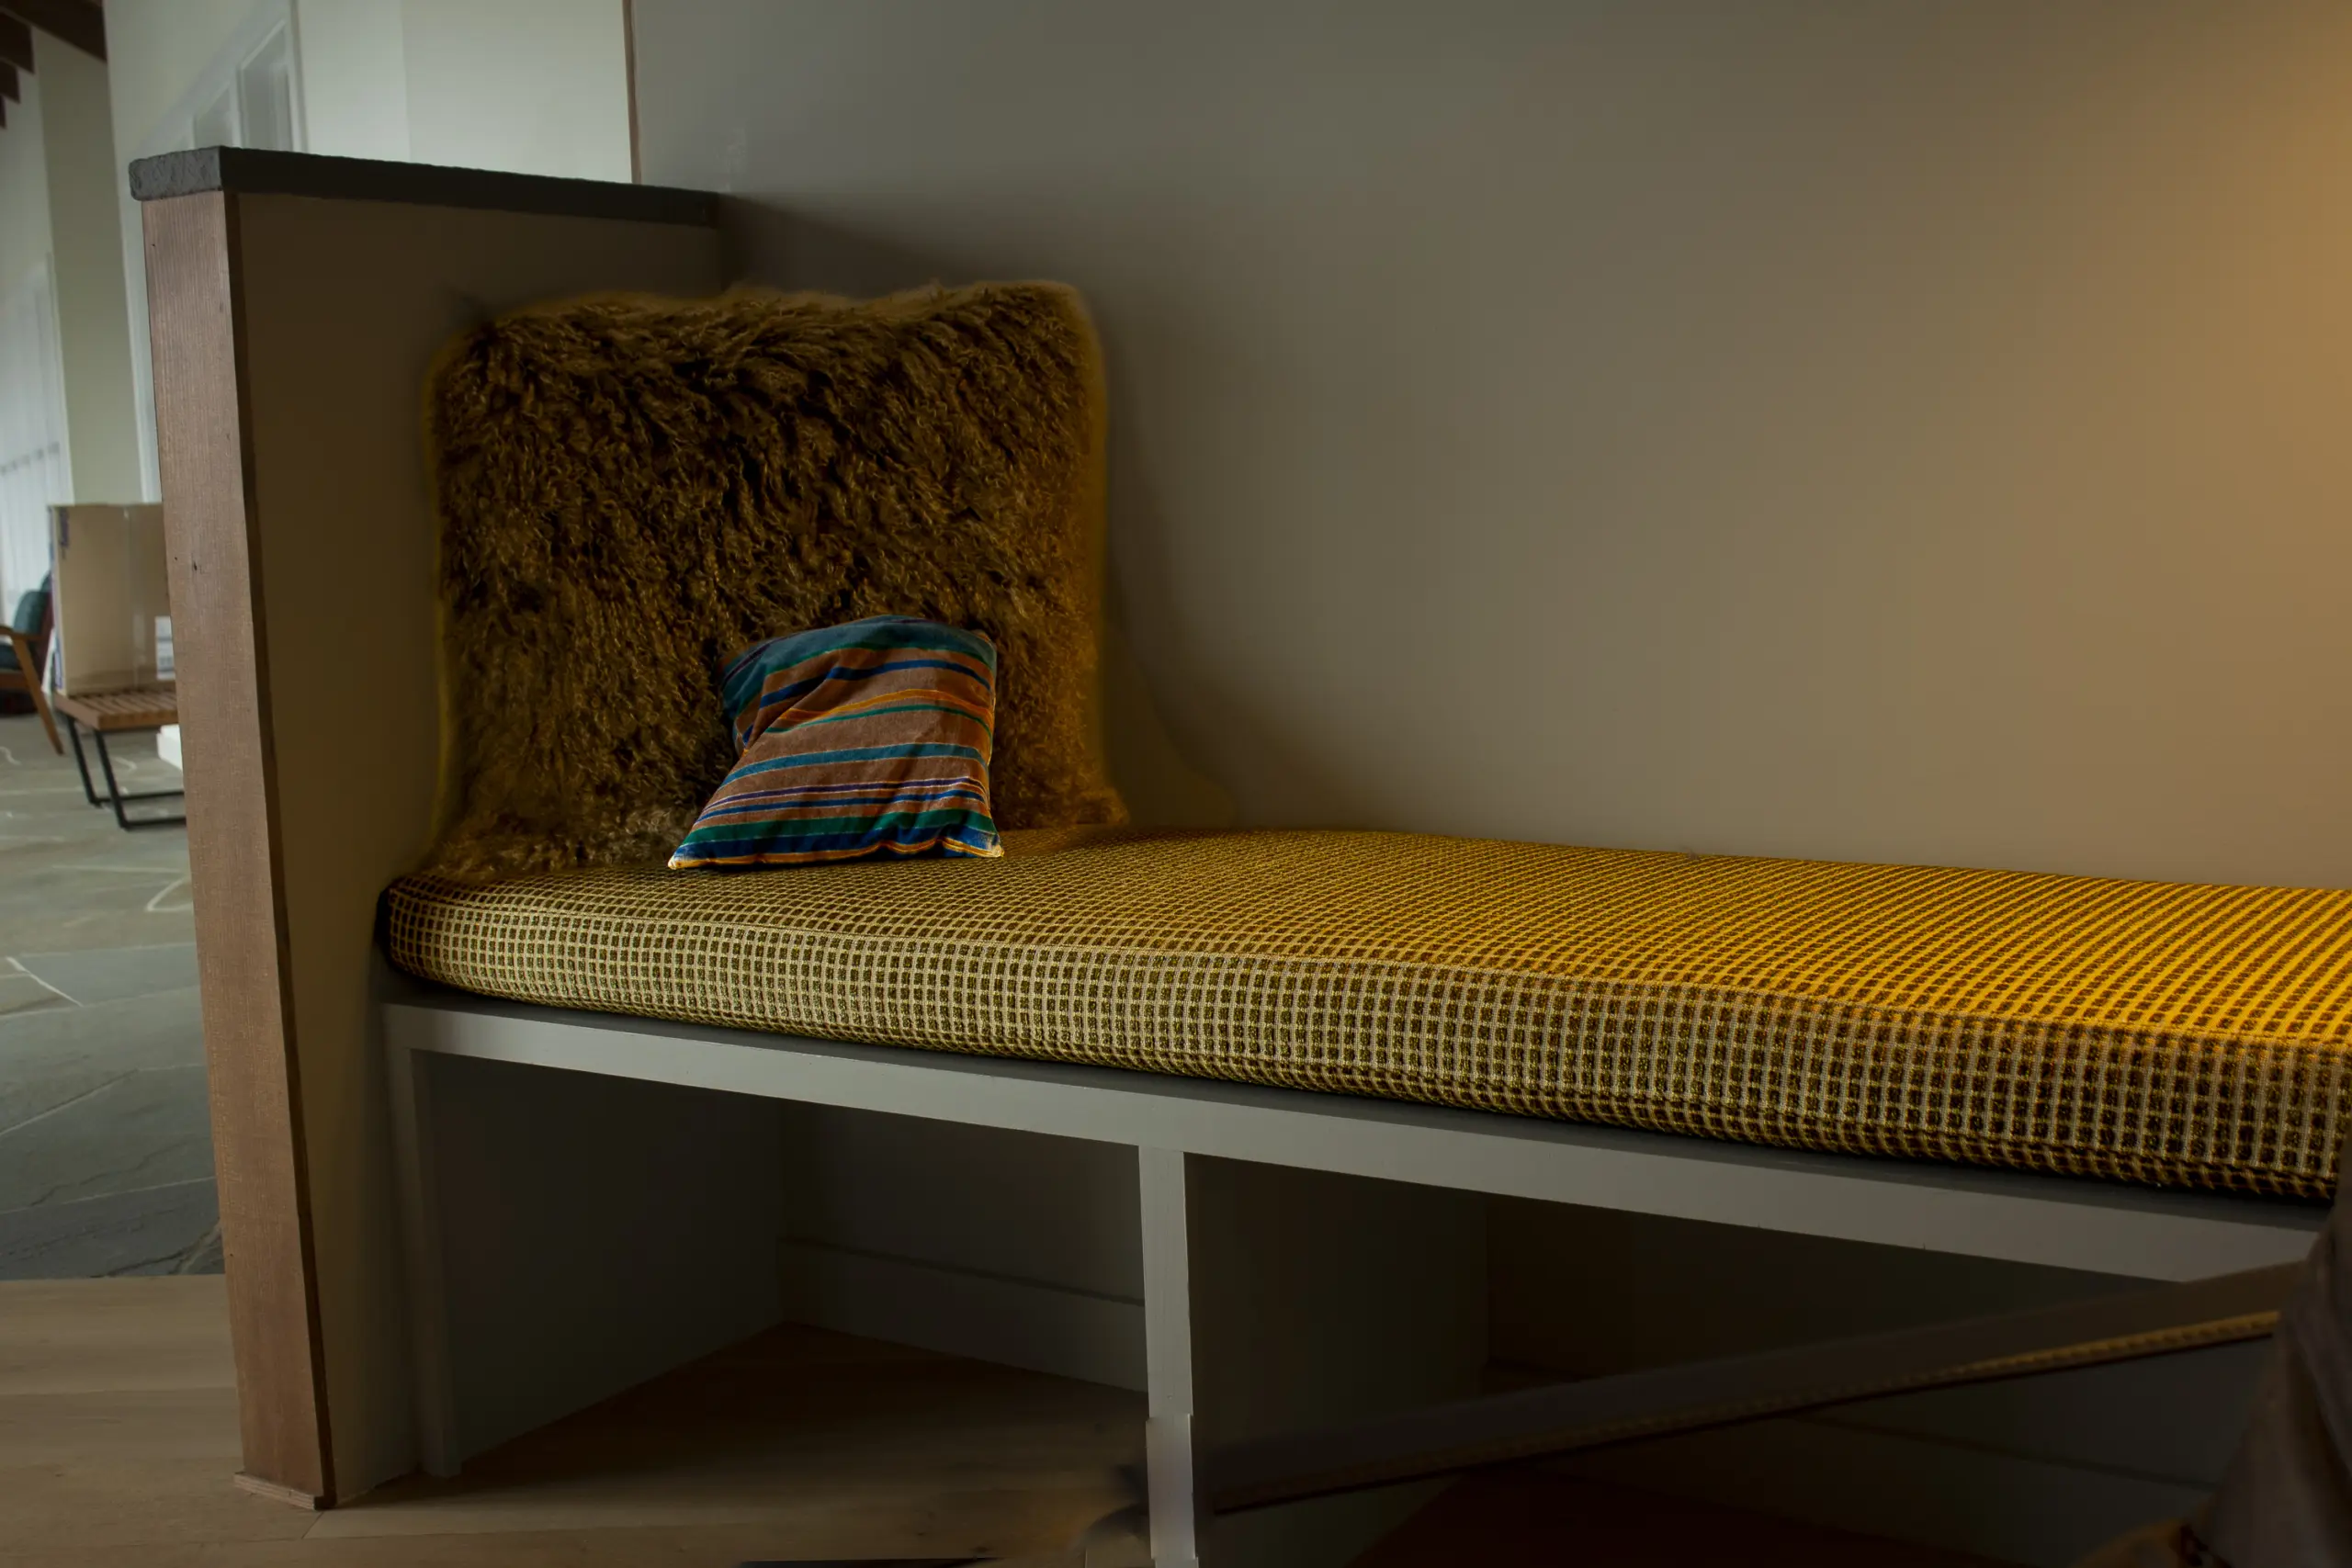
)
(2078, 1224)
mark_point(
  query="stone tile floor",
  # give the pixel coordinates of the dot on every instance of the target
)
(106, 1148)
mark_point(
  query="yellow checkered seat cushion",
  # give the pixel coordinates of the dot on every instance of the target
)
(2186, 1035)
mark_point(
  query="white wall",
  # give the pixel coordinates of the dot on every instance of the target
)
(1860, 431)
(530, 86)
(535, 87)
(24, 187)
(167, 59)
(85, 240)
(33, 471)
(67, 430)
(353, 58)
(1878, 432)
(155, 52)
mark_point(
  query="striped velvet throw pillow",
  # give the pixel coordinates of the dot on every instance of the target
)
(869, 739)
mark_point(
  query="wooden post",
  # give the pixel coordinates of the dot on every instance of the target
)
(195, 311)
(295, 304)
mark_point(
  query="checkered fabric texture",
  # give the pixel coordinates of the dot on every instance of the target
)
(2184, 1035)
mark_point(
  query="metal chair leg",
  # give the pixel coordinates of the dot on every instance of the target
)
(80, 765)
(113, 790)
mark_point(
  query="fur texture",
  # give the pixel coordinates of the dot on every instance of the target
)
(632, 491)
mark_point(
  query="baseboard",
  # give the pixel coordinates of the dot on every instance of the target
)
(1014, 1323)
(276, 1493)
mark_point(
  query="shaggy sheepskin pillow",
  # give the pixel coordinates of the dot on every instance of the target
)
(633, 489)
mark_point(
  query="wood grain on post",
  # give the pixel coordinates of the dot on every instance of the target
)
(196, 311)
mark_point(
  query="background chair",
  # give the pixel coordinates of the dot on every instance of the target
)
(20, 660)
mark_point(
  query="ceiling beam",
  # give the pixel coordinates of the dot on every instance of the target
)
(78, 22)
(9, 86)
(16, 42)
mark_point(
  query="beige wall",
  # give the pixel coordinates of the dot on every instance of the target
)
(1880, 430)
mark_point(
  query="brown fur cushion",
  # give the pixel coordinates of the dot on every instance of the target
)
(633, 489)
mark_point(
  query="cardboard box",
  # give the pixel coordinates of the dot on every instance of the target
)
(113, 602)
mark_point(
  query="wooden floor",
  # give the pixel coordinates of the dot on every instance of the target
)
(118, 1436)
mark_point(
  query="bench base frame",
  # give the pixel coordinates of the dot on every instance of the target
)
(1308, 1260)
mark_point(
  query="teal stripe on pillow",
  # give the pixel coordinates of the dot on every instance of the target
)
(868, 738)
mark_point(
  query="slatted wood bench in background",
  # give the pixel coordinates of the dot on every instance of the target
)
(136, 710)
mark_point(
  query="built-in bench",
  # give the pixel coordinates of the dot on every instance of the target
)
(2106, 1077)
(1308, 1257)
(1239, 1006)
(2188, 1036)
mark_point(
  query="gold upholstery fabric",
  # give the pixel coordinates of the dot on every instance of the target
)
(2176, 1034)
